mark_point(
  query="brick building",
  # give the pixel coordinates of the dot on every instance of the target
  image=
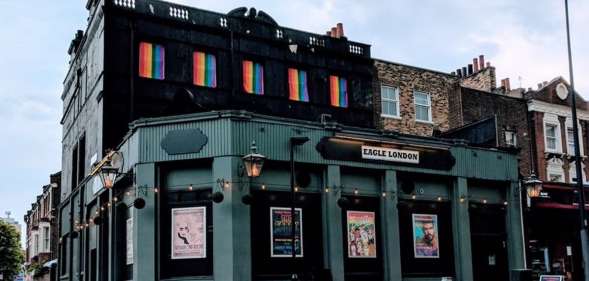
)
(537, 124)
(412, 100)
(42, 232)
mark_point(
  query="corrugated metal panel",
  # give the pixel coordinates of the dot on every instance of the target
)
(233, 136)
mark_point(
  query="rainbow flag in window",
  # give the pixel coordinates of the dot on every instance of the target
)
(152, 59)
(338, 91)
(204, 70)
(253, 77)
(297, 85)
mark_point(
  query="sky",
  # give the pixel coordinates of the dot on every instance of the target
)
(525, 40)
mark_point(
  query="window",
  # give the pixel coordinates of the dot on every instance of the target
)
(554, 170)
(551, 134)
(573, 172)
(422, 107)
(570, 141)
(152, 58)
(46, 239)
(36, 244)
(338, 91)
(204, 70)
(510, 138)
(253, 77)
(297, 85)
(389, 97)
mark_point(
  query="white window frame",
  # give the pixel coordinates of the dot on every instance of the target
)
(513, 135)
(573, 172)
(396, 100)
(554, 167)
(428, 105)
(551, 119)
(569, 125)
(46, 239)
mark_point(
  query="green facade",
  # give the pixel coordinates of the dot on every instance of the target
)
(479, 177)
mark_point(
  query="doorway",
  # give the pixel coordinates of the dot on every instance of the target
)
(488, 242)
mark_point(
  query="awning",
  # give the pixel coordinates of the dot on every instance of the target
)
(50, 263)
(554, 205)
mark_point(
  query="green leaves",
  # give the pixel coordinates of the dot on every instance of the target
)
(11, 255)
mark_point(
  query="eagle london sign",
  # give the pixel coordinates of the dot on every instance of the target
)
(390, 154)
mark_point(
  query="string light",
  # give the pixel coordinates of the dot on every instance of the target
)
(484, 201)
(327, 190)
(384, 194)
(355, 191)
(115, 199)
(296, 189)
(190, 187)
(462, 199)
(439, 198)
(263, 187)
(413, 196)
(155, 189)
(505, 203)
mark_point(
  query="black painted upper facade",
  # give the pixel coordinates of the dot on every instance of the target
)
(142, 58)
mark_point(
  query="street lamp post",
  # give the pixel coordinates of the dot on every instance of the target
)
(578, 167)
(294, 141)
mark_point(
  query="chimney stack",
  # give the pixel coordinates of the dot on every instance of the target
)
(334, 32)
(475, 63)
(464, 73)
(469, 69)
(328, 33)
(459, 72)
(503, 84)
(488, 64)
(507, 85)
(481, 62)
(340, 30)
(539, 86)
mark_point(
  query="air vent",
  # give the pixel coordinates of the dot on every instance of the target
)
(125, 3)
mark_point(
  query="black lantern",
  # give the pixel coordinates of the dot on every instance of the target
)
(533, 186)
(253, 162)
(108, 174)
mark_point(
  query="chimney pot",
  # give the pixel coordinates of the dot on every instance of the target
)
(464, 73)
(340, 30)
(539, 86)
(469, 69)
(475, 63)
(481, 62)
(328, 33)
(507, 85)
(488, 64)
(544, 83)
(459, 72)
(503, 83)
(334, 32)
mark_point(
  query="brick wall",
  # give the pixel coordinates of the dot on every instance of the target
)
(407, 79)
(484, 80)
(511, 114)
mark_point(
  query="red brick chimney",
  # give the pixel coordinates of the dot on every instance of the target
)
(340, 30)
(481, 62)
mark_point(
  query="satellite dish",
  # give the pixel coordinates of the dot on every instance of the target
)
(117, 161)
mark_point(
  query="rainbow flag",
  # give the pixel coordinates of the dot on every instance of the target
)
(297, 85)
(338, 90)
(152, 59)
(204, 70)
(253, 77)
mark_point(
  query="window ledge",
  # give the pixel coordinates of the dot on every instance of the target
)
(424, 122)
(390, 116)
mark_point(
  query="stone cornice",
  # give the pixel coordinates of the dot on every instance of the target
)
(560, 110)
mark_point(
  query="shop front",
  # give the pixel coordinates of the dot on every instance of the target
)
(368, 206)
(553, 231)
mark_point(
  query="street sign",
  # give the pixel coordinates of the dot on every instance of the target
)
(551, 278)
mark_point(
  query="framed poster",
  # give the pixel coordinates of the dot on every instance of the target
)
(280, 232)
(551, 278)
(189, 237)
(129, 241)
(425, 236)
(361, 233)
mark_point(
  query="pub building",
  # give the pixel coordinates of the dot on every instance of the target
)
(184, 132)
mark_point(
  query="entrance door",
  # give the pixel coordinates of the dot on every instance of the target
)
(488, 243)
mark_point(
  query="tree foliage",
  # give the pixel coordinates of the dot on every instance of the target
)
(11, 256)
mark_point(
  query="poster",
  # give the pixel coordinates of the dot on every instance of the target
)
(425, 236)
(281, 234)
(129, 241)
(189, 238)
(361, 234)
